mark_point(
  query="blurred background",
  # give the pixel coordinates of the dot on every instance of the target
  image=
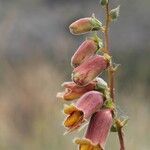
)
(35, 52)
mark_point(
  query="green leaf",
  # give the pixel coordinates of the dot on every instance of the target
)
(114, 13)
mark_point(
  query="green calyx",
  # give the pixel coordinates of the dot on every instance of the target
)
(96, 24)
(109, 104)
(98, 41)
(103, 2)
(114, 13)
(101, 86)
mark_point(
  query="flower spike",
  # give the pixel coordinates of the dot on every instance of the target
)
(95, 99)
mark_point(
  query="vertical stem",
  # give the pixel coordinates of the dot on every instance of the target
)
(107, 29)
(121, 139)
(110, 70)
(112, 81)
(111, 73)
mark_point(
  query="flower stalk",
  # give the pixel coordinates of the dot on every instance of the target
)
(111, 72)
(94, 98)
(110, 69)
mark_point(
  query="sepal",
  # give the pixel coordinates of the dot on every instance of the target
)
(103, 2)
(114, 13)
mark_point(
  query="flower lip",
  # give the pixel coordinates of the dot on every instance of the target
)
(74, 91)
(74, 118)
(60, 95)
(87, 144)
(64, 94)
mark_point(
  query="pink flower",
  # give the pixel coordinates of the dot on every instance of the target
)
(74, 91)
(86, 49)
(85, 25)
(88, 104)
(97, 132)
(89, 70)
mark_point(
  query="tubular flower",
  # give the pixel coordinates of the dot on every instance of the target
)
(73, 91)
(85, 50)
(97, 132)
(82, 109)
(85, 25)
(89, 69)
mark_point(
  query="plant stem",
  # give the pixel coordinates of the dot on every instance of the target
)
(110, 69)
(111, 82)
(111, 72)
(121, 139)
(107, 30)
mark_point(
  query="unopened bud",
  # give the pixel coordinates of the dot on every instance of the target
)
(104, 2)
(89, 70)
(86, 49)
(85, 25)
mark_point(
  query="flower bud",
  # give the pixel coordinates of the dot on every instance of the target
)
(89, 70)
(104, 2)
(85, 25)
(86, 49)
(82, 109)
(98, 130)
